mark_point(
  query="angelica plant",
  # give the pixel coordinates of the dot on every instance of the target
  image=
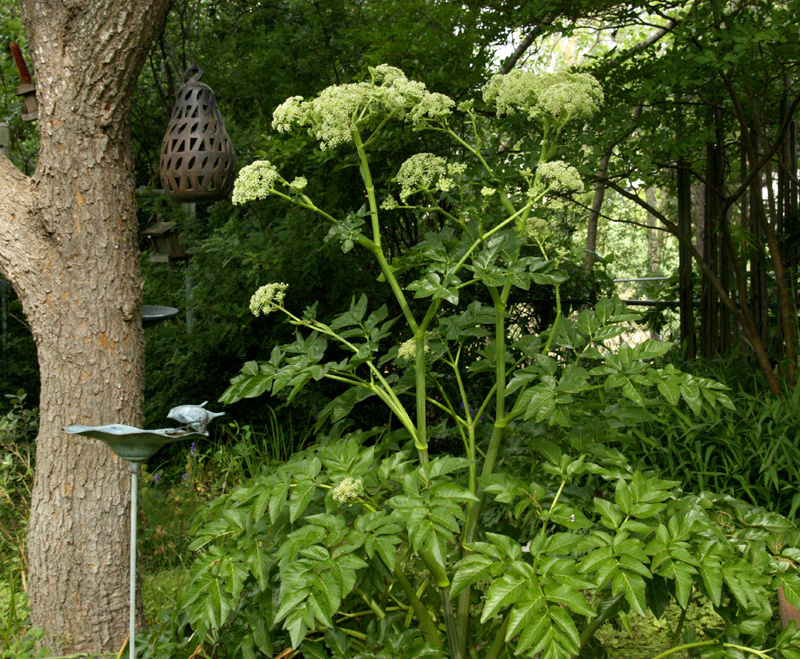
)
(366, 543)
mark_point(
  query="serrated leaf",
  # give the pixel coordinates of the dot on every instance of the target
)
(470, 569)
(277, 500)
(503, 592)
(301, 496)
(670, 388)
(536, 633)
(711, 574)
(633, 586)
(525, 611)
(651, 349)
(790, 583)
(610, 515)
(565, 595)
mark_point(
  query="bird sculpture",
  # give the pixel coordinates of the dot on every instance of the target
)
(195, 417)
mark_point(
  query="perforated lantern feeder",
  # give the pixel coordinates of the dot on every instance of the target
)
(197, 158)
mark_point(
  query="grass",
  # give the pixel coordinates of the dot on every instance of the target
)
(751, 453)
(160, 591)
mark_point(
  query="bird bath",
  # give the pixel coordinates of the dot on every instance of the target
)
(136, 445)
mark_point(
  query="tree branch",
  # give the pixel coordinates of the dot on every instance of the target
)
(526, 42)
(655, 37)
(672, 228)
(17, 236)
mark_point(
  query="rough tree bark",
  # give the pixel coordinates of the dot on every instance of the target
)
(68, 243)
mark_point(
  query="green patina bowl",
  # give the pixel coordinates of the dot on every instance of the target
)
(131, 443)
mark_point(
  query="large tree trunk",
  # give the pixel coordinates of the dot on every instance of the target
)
(68, 242)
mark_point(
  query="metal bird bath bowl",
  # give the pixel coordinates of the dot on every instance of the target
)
(133, 444)
(136, 445)
(152, 314)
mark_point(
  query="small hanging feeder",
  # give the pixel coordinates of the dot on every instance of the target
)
(197, 158)
(30, 106)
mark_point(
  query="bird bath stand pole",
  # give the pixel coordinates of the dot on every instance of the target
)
(135, 468)
(136, 445)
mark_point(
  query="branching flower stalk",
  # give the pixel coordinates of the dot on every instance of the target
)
(338, 116)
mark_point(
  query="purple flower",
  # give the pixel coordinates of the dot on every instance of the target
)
(193, 449)
(157, 478)
(185, 476)
(472, 411)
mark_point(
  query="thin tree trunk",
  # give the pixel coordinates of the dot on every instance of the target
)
(655, 238)
(594, 216)
(686, 286)
(710, 316)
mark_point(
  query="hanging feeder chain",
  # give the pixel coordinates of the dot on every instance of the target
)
(22, 67)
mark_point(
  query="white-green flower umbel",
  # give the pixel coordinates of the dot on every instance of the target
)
(559, 97)
(268, 298)
(423, 172)
(339, 110)
(348, 491)
(255, 182)
(407, 351)
(299, 184)
(560, 176)
(292, 111)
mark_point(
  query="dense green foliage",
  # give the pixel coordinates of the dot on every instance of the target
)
(465, 461)
(536, 532)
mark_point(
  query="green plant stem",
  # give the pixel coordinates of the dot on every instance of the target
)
(388, 272)
(375, 246)
(700, 644)
(474, 508)
(366, 176)
(499, 641)
(410, 609)
(555, 322)
(553, 505)
(450, 625)
(679, 626)
(422, 407)
(352, 632)
(370, 603)
(438, 573)
(426, 623)
(591, 629)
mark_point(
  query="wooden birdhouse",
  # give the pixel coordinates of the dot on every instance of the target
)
(166, 242)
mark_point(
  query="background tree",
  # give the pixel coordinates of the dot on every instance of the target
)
(68, 243)
(717, 88)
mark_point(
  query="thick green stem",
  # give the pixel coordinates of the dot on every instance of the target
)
(371, 603)
(474, 509)
(375, 245)
(499, 641)
(422, 407)
(388, 272)
(426, 623)
(366, 176)
(450, 626)
(700, 644)
(438, 573)
(554, 328)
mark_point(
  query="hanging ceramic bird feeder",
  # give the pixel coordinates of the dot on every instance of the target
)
(197, 158)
